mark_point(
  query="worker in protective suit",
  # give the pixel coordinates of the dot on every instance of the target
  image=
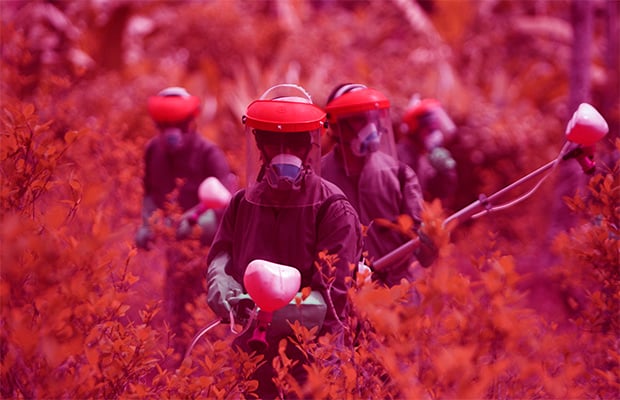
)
(363, 165)
(179, 154)
(287, 215)
(425, 129)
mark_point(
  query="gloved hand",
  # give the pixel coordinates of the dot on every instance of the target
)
(208, 224)
(186, 223)
(441, 159)
(184, 229)
(218, 294)
(427, 252)
(221, 287)
(243, 308)
(363, 270)
(144, 237)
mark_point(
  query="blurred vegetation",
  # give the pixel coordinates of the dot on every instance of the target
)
(509, 311)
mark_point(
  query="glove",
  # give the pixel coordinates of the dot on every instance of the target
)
(221, 287)
(144, 237)
(441, 159)
(208, 224)
(218, 294)
(242, 308)
(363, 269)
(184, 229)
(427, 252)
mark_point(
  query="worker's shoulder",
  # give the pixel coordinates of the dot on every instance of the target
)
(204, 142)
(334, 200)
(330, 189)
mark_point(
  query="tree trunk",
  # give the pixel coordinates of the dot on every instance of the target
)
(570, 177)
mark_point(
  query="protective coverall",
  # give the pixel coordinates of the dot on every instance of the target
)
(291, 233)
(196, 161)
(435, 170)
(384, 189)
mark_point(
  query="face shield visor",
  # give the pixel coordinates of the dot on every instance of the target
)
(283, 130)
(361, 134)
(284, 155)
(432, 126)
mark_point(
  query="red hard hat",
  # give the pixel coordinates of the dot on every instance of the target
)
(353, 98)
(173, 105)
(414, 113)
(284, 115)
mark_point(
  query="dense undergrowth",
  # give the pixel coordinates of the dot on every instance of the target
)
(505, 312)
(73, 327)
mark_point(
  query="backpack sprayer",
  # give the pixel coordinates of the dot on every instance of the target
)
(585, 128)
(273, 295)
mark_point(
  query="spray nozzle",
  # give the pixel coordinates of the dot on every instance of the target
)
(586, 126)
(584, 156)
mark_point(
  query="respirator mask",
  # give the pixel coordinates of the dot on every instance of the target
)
(284, 172)
(367, 141)
(433, 140)
(174, 138)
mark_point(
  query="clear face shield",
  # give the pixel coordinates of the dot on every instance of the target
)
(361, 134)
(280, 165)
(283, 131)
(435, 128)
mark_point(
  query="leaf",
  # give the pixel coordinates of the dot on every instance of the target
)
(28, 110)
(75, 185)
(70, 136)
(55, 216)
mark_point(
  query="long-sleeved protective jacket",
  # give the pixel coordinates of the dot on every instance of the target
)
(435, 183)
(292, 236)
(198, 161)
(385, 189)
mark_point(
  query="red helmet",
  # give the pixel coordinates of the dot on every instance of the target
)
(352, 98)
(173, 105)
(359, 119)
(285, 112)
(420, 115)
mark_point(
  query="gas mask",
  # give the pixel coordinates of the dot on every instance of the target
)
(174, 138)
(284, 172)
(367, 140)
(433, 140)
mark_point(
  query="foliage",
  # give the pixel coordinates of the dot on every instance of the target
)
(81, 308)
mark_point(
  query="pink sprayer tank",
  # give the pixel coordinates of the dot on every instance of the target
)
(271, 286)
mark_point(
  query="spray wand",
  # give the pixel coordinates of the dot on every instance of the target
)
(585, 128)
